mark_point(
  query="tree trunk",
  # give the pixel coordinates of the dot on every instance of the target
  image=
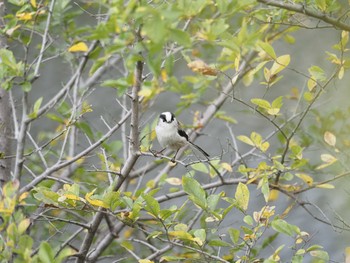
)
(5, 117)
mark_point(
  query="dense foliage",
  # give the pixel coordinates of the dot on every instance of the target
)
(90, 187)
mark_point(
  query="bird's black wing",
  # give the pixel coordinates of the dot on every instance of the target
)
(182, 133)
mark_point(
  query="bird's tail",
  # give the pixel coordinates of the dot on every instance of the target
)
(200, 149)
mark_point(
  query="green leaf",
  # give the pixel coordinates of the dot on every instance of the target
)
(66, 252)
(112, 199)
(248, 220)
(23, 225)
(277, 103)
(84, 127)
(181, 37)
(321, 4)
(36, 108)
(234, 234)
(317, 73)
(261, 103)
(313, 247)
(242, 196)
(46, 195)
(8, 59)
(320, 254)
(195, 191)
(201, 234)
(283, 227)
(152, 206)
(222, 116)
(98, 63)
(297, 259)
(200, 167)
(156, 29)
(26, 86)
(213, 201)
(54, 117)
(172, 258)
(46, 254)
(218, 243)
(265, 189)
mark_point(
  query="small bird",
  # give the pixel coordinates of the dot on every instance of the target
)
(170, 134)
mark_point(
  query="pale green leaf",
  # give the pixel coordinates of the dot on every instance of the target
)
(242, 196)
(277, 103)
(246, 140)
(283, 227)
(200, 167)
(261, 103)
(268, 49)
(320, 254)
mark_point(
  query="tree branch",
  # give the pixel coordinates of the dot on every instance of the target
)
(130, 162)
(309, 12)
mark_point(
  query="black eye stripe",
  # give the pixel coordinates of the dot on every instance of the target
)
(162, 116)
(165, 115)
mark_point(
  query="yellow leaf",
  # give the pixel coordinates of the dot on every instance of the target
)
(201, 67)
(306, 178)
(227, 167)
(273, 111)
(180, 234)
(173, 181)
(33, 3)
(72, 197)
(273, 195)
(145, 261)
(311, 84)
(24, 16)
(86, 108)
(198, 241)
(287, 210)
(128, 233)
(237, 63)
(325, 186)
(281, 63)
(347, 255)
(95, 202)
(264, 146)
(23, 196)
(329, 138)
(164, 75)
(23, 225)
(145, 92)
(78, 47)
